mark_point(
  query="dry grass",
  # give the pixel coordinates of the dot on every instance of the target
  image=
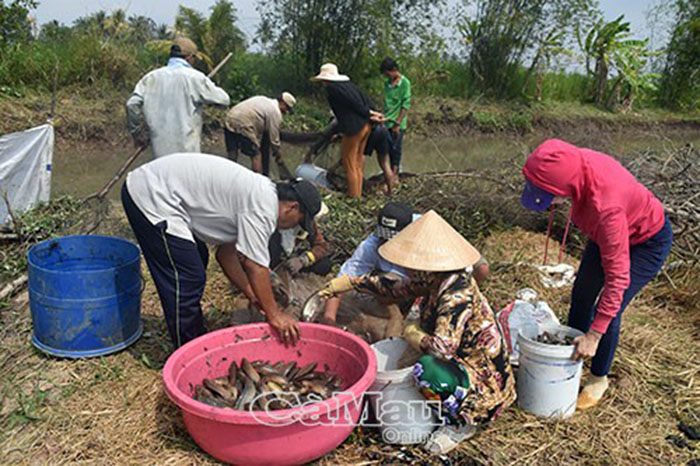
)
(112, 410)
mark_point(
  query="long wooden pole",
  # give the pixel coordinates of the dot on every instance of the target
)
(105, 189)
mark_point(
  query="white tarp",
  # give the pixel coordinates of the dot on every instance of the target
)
(25, 169)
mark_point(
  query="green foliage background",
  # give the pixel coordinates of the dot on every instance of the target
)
(496, 50)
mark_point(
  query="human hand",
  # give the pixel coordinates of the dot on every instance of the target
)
(376, 117)
(286, 325)
(335, 287)
(586, 345)
(395, 129)
(416, 337)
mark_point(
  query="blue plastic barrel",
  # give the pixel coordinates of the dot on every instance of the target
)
(85, 295)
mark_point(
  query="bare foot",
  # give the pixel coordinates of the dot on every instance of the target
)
(385, 188)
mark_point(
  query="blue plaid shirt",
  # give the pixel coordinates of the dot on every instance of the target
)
(366, 259)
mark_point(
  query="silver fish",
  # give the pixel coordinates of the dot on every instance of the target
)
(220, 390)
(278, 379)
(307, 369)
(268, 370)
(232, 373)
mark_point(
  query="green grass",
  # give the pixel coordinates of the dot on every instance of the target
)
(87, 61)
(29, 406)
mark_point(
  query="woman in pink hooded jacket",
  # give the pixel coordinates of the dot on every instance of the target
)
(629, 240)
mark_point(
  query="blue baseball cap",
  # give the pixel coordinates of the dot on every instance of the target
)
(535, 198)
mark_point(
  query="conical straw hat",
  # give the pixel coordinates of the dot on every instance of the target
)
(430, 244)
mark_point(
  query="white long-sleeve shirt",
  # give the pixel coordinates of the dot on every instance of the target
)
(169, 101)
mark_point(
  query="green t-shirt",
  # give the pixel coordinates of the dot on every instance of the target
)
(396, 98)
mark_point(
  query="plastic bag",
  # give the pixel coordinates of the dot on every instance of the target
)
(524, 316)
(556, 276)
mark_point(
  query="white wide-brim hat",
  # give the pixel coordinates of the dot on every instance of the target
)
(329, 72)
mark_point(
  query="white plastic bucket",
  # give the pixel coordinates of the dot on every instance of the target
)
(403, 414)
(548, 379)
(314, 174)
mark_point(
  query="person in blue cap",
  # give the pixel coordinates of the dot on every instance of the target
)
(630, 238)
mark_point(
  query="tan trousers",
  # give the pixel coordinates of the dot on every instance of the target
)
(353, 157)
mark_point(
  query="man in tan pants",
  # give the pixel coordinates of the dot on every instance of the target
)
(353, 110)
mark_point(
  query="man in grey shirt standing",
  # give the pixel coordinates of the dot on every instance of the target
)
(176, 204)
(253, 127)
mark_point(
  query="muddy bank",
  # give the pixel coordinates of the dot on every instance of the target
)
(90, 115)
(92, 141)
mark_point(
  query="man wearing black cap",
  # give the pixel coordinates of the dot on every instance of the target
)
(392, 218)
(179, 203)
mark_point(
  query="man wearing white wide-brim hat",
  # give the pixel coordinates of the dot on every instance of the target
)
(465, 361)
(166, 104)
(354, 112)
(253, 128)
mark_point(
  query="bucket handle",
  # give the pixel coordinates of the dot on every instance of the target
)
(386, 385)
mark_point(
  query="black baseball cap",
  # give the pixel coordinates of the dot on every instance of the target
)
(393, 218)
(310, 201)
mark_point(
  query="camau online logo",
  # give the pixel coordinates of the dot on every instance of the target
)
(338, 409)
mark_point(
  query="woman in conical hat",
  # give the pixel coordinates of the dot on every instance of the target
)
(465, 362)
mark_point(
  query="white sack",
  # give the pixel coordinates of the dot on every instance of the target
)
(25, 169)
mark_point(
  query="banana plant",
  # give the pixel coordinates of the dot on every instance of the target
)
(629, 61)
(601, 43)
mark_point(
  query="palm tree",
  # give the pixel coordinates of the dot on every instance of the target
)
(163, 32)
(217, 35)
(142, 28)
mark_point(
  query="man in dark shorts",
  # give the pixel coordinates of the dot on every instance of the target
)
(397, 102)
(378, 142)
(253, 128)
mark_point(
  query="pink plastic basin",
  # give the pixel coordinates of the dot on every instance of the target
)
(284, 437)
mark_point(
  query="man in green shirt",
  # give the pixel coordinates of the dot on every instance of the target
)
(397, 101)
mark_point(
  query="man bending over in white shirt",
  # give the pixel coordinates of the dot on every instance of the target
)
(179, 203)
